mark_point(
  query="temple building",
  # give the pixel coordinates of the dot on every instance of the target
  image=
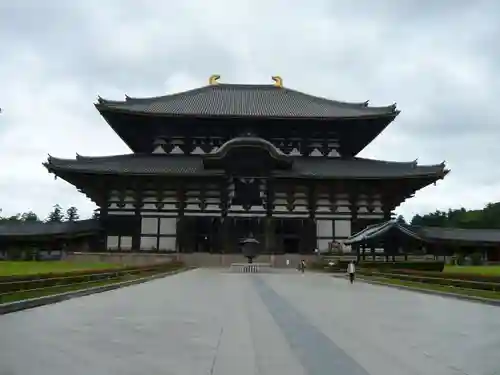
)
(212, 165)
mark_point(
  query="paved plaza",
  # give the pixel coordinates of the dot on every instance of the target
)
(216, 322)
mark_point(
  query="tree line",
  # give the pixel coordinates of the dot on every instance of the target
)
(57, 215)
(486, 218)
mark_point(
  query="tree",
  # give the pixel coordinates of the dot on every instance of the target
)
(72, 214)
(400, 219)
(56, 216)
(29, 216)
(488, 217)
(96, 214)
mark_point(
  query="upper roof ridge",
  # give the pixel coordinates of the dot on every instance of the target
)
(319, 106)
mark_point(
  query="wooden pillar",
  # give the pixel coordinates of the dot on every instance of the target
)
(386, 209)
(138, 205)
(269, 235)
(353, 200)
(312, 202)
(225, 223)
(103, 219)
(180, 235)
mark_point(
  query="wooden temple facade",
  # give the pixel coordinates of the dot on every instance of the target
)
(218, 163)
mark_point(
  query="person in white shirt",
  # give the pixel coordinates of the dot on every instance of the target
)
(351, 270)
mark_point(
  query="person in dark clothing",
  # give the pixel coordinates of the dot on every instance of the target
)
(351, 270)
(302, 266)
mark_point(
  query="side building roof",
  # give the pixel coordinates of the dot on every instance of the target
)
(426, 234)
(243, 100)
(39, 229)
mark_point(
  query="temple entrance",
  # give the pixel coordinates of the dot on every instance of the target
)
(291, 245)
(223, 235)
(248, 227)
(205, 234)
(292, 235)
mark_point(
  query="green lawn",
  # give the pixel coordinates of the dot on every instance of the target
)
(11, 268)
(479, 270)
(20, 295)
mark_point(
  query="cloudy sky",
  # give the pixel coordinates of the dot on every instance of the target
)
(439, 60)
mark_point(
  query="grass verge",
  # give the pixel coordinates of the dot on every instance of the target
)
(13, 268)
(438, 288)
(28, 294)
(477, 270)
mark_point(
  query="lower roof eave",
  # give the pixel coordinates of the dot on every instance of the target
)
(431, 178)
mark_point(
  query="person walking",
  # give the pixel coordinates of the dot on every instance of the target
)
(351, 270)
(302, 266)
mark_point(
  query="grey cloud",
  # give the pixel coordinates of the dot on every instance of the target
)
(437, 59)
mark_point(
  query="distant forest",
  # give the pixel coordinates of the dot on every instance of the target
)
(56, 215)
(488, 217)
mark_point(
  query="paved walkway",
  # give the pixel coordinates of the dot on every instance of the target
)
(212, 322)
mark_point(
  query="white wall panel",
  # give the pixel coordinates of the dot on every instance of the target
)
(168, 225)
(323, 245)
(126, 243)
(324, 228)
(149, 225)
(167, 243)
(342, 228)
(112, 242)
(148, 243)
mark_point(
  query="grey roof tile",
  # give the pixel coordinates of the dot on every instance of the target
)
(459, 234)
(246, 101)
(308, 167)
(426, 233)
(14, 229)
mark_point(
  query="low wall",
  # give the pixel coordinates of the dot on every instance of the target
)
(225, 260)
(191, 259)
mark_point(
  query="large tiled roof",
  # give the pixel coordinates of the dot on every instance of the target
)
(23, 229)
(459, 234)
(428, 234)
(307, 167)
(237, 100)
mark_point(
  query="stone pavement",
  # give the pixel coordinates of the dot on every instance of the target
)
(216, 322)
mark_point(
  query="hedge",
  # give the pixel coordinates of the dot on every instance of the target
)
(467, 284)
(420, 266)
(341, 265)
(83, 276)
(457, 275)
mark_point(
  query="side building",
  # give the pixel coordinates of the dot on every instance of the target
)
(224, 161)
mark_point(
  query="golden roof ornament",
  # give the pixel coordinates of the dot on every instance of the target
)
(278, 81)
(213, 79)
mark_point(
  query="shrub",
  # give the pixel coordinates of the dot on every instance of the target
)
(467, 284)
(421, 266)
(476, 259)
(460, 260)
(452, 276)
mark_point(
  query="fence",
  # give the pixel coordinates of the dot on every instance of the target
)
(250, 268)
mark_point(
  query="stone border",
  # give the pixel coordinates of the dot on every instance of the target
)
(487, 301)
(10, 307)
